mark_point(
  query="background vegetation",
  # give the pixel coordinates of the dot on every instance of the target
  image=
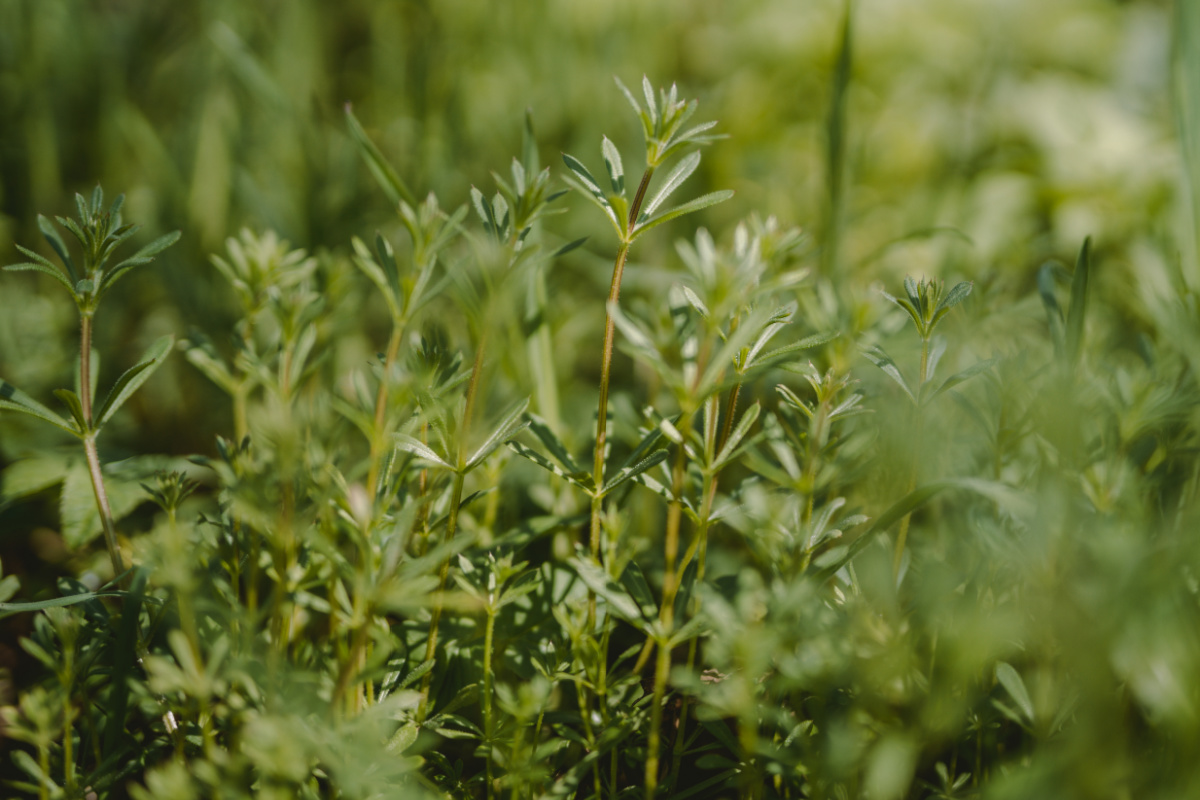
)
(1034, 637)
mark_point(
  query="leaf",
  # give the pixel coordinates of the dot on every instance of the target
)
(13, 399)
(876, 355)
(612, 162)
(614, 594)
(45, 269)
(510, 425)
(541, 429)
(960, 377)
(589, 189)
(833, 560)
(953, 298)
(57, 602)
(585, 177)
(56, 243)
(807, 343)
(71, 401)
(213, 369)
(580, 479)
(628, 472)
(77, 506)
(391, 183)
(568, 247)
(699, 203)
(635, 583)
(30, 476)
(1079, 297)
(421, 450)
(729, 451)
(133, 378)
(681, 172)
(648, 91)
(143, 256)
(637, 339)
(1010, 679)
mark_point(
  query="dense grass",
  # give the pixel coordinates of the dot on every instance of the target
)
(875, 478)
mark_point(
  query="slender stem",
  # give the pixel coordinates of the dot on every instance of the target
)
(102, 506)
(451, 524)
(666, 612)
(378, 440)
(700, 546)
(489, 725)
(902, 536)
(89, 446)
(614, 294)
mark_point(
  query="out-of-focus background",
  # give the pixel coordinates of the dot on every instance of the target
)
(969, 138)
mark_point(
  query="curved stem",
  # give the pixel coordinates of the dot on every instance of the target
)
(89, 448)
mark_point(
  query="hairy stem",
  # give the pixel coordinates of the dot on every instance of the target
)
(89, 448)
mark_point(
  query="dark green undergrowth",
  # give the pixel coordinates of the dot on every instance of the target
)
(795, 512)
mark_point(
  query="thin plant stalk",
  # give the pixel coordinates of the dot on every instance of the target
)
(610, 329)
(89, 448)
(489, 722)
(378, 439)
(902, 536)
(666, 613)
(451, 524)
(700, 546)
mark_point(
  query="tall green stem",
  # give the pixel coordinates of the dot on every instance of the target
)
(378, 440)
(89, 447)
(610, 328)
(902, 536)
(451, 524)
(489, 725)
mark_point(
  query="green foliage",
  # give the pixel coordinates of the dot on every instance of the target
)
(792, 552)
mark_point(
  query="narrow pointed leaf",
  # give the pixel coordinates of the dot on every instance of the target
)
(613, 593)
(391, 183)
(541, 429)
(736, 435)
(807, 343)
(1010, 679)
(71, 401)
(635, 583)
(421, 450)
(648, 91)
(626, 473)
(612, 161)
(45, 270)
(699, 203)
(584, 176)
(959, 377)
(674, 179)
(13, 399)
(509, 426)
(955, 296)
(1079, 297)
(876, 355)
(133, 378)
(579, 479)
(56, 243)
(57, 602)
(568, 247)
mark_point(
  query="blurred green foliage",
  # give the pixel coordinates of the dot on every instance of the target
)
(1034, 637)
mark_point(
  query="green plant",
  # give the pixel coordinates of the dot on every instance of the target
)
(412, 563)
